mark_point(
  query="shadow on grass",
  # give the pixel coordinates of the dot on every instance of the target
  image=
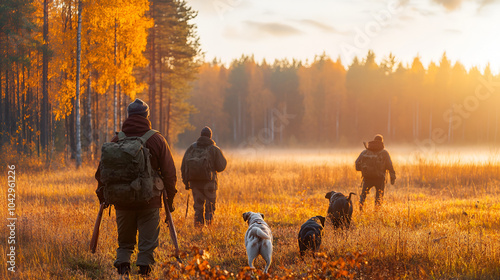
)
(90, 268)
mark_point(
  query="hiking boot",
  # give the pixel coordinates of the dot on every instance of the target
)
(124, 270)
(144, 270)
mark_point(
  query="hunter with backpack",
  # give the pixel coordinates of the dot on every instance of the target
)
(373, 164)
(136, 168)
(200, 165)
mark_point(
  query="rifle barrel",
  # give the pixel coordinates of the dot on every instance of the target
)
(171, 227)
(95, 234)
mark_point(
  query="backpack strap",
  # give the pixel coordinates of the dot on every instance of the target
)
(121, 135)
(147, 135)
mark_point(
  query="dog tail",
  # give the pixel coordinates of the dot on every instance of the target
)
(349, 198)
(260, 233)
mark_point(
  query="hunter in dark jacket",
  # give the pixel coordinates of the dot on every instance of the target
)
(373, 164)
(204, 190)
(144, 218)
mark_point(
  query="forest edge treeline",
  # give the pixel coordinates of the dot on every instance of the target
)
(150, 50)
(327, 104)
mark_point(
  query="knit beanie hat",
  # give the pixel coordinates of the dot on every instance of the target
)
(206, 131)
(379, 137)
(138, 107)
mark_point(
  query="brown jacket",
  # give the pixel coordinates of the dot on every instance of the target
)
(161, 161)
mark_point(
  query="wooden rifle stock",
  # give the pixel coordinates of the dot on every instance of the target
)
(95, 234)
(171, 227)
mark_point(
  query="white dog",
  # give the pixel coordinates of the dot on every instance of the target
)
(258, 239)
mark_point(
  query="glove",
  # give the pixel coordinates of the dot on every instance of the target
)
(393, 180)
(171, 205)
(100, 194)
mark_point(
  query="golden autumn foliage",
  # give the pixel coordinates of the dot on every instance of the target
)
(38, 39)
(98, 40)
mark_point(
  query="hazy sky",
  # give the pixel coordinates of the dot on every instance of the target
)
(468, 30)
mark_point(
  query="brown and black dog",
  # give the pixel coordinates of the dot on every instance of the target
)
(340, 209)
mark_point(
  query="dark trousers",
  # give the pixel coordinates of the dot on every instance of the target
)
(204, 205)
(147, 222)
(379, 184)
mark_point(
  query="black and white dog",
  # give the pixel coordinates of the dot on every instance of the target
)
(340, 209)
(310, 234)
(258, 239)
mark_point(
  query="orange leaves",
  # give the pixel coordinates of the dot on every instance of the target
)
(196, 268)
(322, 267)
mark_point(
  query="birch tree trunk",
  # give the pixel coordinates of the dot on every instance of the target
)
(44, 123)
(77, 99)
(119, 106)
(152, 74)
(97, 128)
(89, 116)
(115, 105)
(106, 117)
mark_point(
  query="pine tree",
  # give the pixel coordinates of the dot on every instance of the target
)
(174, 55)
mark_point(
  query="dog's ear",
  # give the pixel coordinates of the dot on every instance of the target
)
(329, 194)
(246, 215)
(262, 216)
(322, 220)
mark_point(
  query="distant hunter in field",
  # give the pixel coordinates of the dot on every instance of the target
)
(201, 162)
(373, 163)
(136, 168)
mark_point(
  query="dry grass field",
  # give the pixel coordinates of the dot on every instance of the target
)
(441, 220)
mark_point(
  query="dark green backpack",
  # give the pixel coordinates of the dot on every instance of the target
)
(126, 170)
(199, 164)
(372, 165)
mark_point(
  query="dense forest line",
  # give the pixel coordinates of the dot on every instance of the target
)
(68, 69)
(328, 104)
